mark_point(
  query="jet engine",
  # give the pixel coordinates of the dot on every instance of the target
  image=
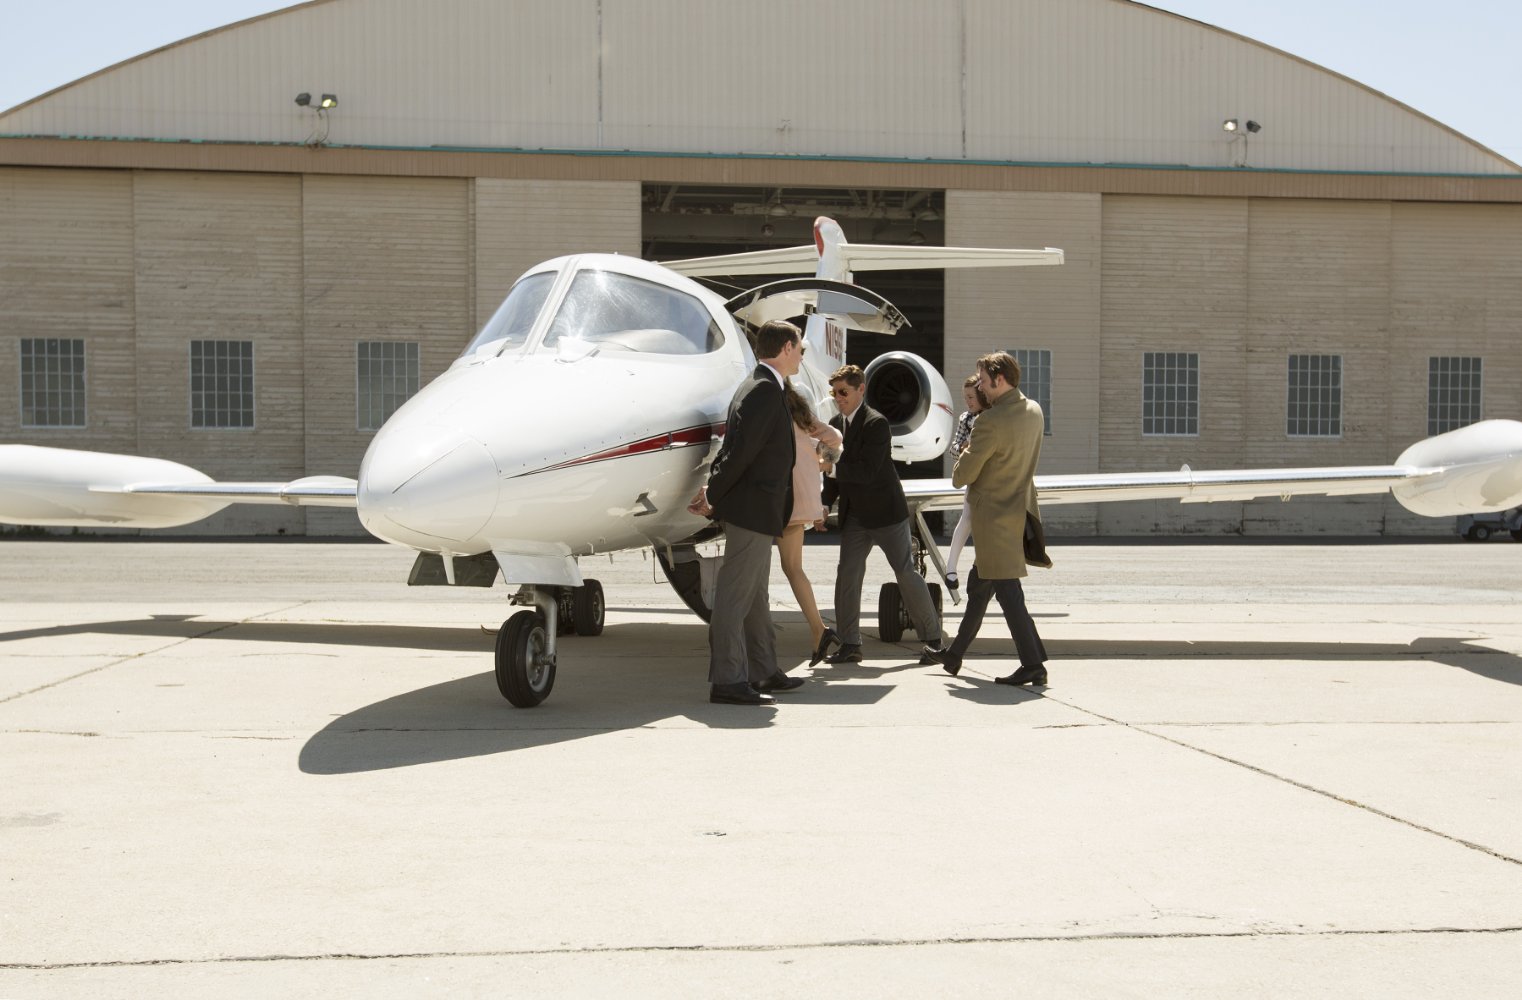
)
(907, 390)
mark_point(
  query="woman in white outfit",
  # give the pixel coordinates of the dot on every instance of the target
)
(973, 397)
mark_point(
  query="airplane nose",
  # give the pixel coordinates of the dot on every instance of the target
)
(422, 485)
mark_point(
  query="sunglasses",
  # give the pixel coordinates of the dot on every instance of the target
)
(840, 392)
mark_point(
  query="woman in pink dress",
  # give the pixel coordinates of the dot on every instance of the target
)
(817, 443)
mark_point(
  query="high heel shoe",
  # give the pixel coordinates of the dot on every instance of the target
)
(951, 579)
(827, 638)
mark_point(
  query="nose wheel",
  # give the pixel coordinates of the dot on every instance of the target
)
(525, 663)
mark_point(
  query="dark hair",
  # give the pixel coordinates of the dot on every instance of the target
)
(851, 375)
(1000, 363)
(774, 335)
(971, 382)
(797, 407)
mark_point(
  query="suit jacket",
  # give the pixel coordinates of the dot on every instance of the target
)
(750, 484)
(999, 468)
(865, 480)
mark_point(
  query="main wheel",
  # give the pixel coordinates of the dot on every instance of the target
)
(890, 613)
(587, 608)
(1481, 532)
(524, 674)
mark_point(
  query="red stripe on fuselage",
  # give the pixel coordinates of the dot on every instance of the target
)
(703, 434)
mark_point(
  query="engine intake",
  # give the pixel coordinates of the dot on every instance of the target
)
(907, 390)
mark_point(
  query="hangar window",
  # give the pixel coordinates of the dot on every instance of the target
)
(617, 311)
(386, 376)
(222, 384)
(1170, 393)
(1314, 396)
(1036, 380)
(52, 382)
(1453, 393)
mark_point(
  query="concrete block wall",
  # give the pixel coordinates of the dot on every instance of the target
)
(66, 270)
(1042, 308)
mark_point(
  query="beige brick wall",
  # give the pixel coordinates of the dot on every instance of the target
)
(1456, 290)
(1043, 308)
(1174, 278)
(386, 259)
(218, 257)
(66, 270)
(521, 223)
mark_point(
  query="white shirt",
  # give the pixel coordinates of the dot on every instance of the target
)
(781, 383)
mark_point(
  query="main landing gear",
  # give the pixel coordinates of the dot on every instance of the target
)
(892, 617)
(526, 643)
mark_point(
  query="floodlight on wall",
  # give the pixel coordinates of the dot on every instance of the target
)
(1229, 125)
(916, 237)
(1254, 127)
(328, 102)
(927, 215)
(303, 99)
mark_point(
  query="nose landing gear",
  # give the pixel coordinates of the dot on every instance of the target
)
(525, 655)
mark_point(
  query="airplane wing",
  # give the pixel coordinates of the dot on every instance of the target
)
(860, 257)
(1188, 486)
(64, 487)
(311, 491)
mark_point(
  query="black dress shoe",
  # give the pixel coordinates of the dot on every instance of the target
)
(738, 694)
(827, 638)
(1025, 675)
(949, 661)
(777, 683)
(848, 653)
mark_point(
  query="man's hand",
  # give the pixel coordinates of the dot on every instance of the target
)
(699, 504)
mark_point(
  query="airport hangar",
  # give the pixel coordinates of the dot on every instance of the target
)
(1268, 264)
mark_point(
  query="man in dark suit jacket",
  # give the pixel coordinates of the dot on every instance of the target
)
(872, 512)
(750, 492)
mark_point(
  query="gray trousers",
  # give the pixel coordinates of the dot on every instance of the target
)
(741, 644)
(855, 543)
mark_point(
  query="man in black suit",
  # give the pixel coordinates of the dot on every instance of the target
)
(872, 512)
(750, 492)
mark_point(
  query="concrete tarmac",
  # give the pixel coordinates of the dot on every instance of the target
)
(272, 769)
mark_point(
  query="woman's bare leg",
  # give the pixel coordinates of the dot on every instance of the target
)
(790, 548)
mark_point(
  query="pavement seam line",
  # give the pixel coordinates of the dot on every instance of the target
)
(761, 948)
(147, 652)
(1292, 782)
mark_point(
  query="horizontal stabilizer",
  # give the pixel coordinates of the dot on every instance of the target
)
(861, 257)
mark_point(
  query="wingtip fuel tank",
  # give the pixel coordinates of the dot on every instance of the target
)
(60, 487)
(1474, 469)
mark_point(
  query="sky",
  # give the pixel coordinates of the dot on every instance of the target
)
(1455, 61)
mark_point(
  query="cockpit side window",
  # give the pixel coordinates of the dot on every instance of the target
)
(620, 312)
(510, 325)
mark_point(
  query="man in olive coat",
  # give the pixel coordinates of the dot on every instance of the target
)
(999, 468)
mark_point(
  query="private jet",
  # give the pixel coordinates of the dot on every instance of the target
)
(486, 473)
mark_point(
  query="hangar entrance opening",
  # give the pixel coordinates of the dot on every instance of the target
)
(681, 220)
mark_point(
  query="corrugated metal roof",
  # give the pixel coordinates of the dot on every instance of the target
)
(1030, 81)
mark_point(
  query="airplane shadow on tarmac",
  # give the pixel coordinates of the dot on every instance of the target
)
(645, 673)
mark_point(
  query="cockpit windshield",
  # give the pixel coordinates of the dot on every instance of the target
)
(612, 310)
(510, 325)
